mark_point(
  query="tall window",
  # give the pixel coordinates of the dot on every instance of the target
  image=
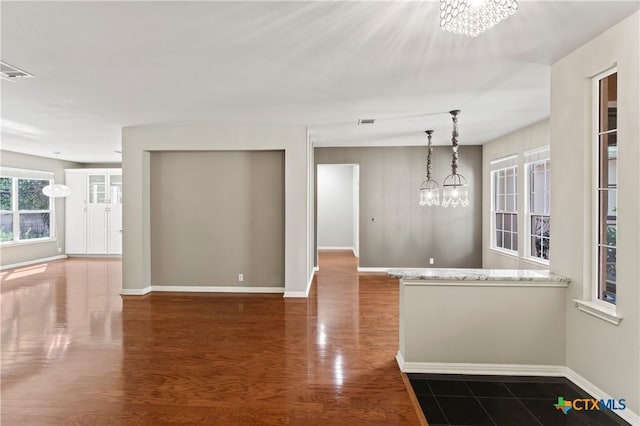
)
(538, 168)
(25, 212)
(606, 187)
(505, 208)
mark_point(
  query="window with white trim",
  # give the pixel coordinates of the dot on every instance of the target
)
(538, 187)
(606, 185)
(25, 212)
(505, 201)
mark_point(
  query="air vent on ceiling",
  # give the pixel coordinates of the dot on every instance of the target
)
(366, 121)
(9, 72)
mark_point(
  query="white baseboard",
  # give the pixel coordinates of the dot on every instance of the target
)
(515, 370)
(480, 369)
(597, 393)
(198, 289)
(135, 291)
(301, 293)
(372, 269)
(341, 248)
(216, 289)
(32, 262)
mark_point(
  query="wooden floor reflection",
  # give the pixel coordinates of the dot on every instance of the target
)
(75, 352)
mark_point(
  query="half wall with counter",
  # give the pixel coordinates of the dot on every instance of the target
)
(482, 321)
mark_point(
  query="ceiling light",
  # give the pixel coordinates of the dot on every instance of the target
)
(454, 188)
(429, 190)
(473, 17)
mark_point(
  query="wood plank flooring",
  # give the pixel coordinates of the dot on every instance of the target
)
(74, 352)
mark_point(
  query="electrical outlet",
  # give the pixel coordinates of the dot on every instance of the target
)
(431, 261)
(240, 277)
(59, 250)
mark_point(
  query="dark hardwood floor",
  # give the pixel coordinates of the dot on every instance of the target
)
(74, 352)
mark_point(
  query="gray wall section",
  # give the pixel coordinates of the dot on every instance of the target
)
(394, 230)
(335, 206)
(18, 253)
(215, 215)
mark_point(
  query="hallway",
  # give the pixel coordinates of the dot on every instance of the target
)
(75, 352)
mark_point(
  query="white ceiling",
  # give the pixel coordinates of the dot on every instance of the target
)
(101, 66)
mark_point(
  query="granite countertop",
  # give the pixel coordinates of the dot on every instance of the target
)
(467, 274)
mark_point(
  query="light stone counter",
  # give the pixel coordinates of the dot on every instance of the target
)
(467, 274)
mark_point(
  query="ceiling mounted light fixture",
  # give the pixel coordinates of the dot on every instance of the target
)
(473, 17)
(429, 190)
(56, 190)
(454, 188)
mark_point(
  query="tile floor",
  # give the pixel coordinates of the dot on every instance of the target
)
(448, 399)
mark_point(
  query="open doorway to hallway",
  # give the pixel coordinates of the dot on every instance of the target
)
(338, 207)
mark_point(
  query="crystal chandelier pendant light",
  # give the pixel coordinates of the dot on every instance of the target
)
(429, 190)
(473, 17)
(454, 188)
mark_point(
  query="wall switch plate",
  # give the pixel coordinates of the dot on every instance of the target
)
(240, 277)
(431, 261)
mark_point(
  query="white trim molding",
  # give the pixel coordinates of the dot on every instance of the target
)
(33, 262)
(135, 291)
(336, 248)
(482, 369)
(598, 310)
(198, 289)
(597, 393)
(373, 269)
(216, 289)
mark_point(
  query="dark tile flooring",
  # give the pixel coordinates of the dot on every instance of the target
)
(452, 399)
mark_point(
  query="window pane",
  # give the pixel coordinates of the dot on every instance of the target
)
(608, 275)
(498, 238)
(514, 241)
(5, 193)
(507, 222)
(34, 225)
(501, 203)
(499, 226)
(97, 187)
(608, 102)
(511, 203)
(511, 184)
(514, 222)
(608, 160)
(30, 196)
(6, 227)
(507, 240)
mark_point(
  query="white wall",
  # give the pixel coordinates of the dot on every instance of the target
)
(138, 142)
(516, 143)
(605, 354)
(336, 215)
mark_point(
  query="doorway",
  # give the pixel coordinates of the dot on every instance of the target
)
(338, 213)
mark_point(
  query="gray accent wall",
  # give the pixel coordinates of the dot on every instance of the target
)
(604, 354)
(215, 215)
(138, 143)
(27, 252)
(394, 230)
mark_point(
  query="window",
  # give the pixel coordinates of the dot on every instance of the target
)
(505, 217)
(537, 222)
(25, 212)
(606, 187)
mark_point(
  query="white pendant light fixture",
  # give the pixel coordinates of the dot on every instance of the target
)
(429, 190)
(454, 188)
(56, 190)
(473, 17)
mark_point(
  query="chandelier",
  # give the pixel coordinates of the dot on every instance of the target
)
(429, 190)
(473, 17)
(454, 187)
